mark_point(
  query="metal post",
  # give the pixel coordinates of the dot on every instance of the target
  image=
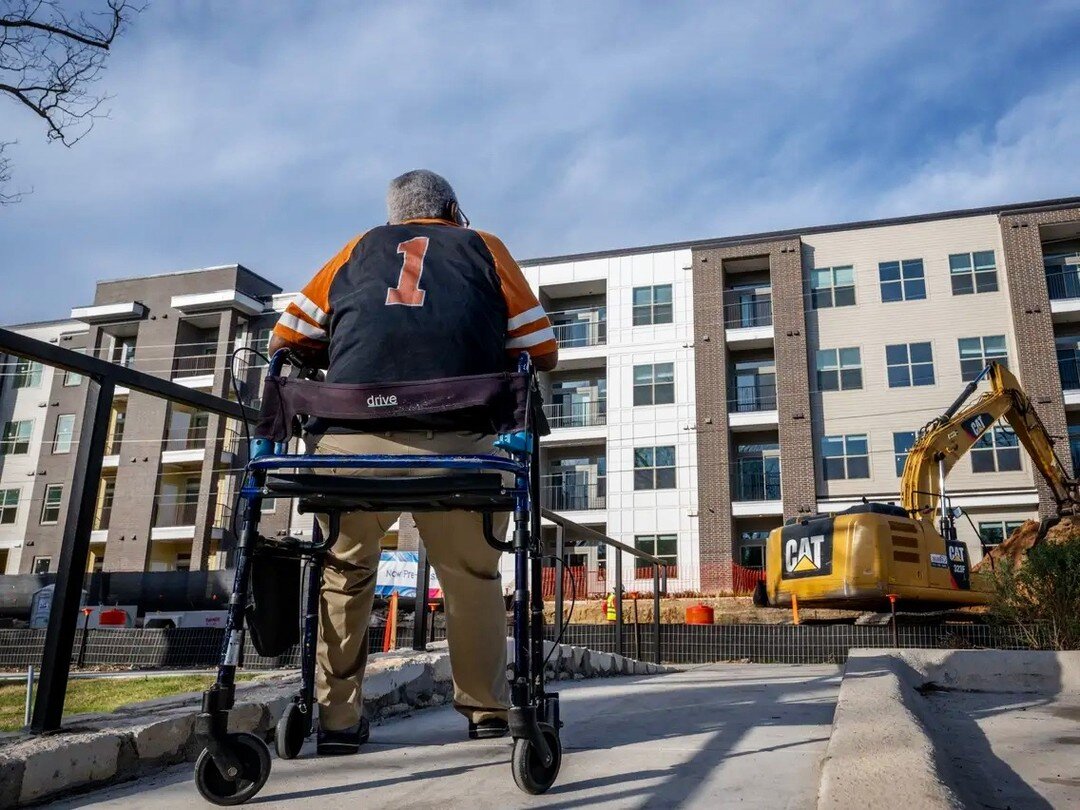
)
(85, 632)
(560, 573)
(656, 610)
(423, 581)
(74, 551)
(618, 602)
(29, 695)
(637, 631)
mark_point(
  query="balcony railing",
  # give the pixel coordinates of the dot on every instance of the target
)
(760, 396)
(573, 493)
(1069, 369)
(101, 519)
(580, 327)
(171, 510)
(194, 439)
(745, 311)
(580, 413)
(755, 479)
(112, 444)
(1062, 281)
(196, 363)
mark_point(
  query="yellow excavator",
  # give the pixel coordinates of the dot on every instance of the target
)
(858, 557)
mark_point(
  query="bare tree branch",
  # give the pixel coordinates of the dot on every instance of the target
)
(50, 61)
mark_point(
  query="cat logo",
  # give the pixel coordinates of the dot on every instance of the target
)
(806, 549)
(803, 554)
(975, 426)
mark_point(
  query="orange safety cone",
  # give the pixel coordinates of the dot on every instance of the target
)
(389, 640)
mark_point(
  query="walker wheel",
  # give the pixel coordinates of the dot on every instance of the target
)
(219, 789)
(290, 733)
(529, 772)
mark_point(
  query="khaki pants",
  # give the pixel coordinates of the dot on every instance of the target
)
(468, 570)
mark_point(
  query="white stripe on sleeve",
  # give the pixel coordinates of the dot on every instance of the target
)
(527, 317)
(531, 339)
(290, 321)
(311, 309)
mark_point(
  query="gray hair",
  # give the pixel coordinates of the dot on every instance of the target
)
(418, 194)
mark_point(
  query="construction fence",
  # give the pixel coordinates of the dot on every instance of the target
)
(679, 644)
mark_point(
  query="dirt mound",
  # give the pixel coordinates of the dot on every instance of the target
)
(1016, 545)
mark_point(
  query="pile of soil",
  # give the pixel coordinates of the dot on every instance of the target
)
(1016, 545)
(728, 610)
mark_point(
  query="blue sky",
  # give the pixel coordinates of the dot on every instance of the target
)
(239, 133)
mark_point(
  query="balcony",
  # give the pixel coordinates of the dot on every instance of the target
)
(197, 361)
(573, 492)
(1063, 286)
(577, 413)
(755, 487)
(580, 328)
(1069, 370)
(748, 320)
(752, 404)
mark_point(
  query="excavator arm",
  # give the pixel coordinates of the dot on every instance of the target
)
(942, 443)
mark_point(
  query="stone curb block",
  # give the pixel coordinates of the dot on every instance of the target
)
(880, 728)
(142, 738)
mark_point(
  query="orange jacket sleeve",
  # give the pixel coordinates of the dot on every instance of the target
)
(528, 327)
(306, 321)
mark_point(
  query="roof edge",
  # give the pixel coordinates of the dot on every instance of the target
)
(769, 236)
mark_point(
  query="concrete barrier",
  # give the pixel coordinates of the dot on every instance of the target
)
(96, 750)
(881, 752)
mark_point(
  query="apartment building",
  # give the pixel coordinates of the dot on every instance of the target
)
(792, 370)
(706, 391)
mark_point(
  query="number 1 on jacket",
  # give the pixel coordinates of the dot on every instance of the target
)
(407, 292)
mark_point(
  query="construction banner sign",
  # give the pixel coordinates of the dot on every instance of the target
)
(806, 549)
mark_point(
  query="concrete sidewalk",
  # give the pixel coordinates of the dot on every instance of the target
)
(711, 736)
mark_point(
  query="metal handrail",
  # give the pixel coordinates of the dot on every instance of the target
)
(579, 532)
(103, 378)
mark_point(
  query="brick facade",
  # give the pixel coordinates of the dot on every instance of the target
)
(711, 363)
(1030, 302)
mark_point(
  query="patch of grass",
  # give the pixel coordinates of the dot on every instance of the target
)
(96, 695)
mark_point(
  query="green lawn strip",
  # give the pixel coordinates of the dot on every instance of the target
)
(97, 695)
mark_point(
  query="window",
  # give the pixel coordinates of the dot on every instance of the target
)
(994, 532)
(9, 506)
(909, 364)
(845, 456)
(654, 468)
(183, 562)
(663, 546)
(654, 384)
(16, 438)
(902, 281)
(839, 369)
(752, 556)
(973, 272)
(50, 508)
(832, 287)
(652, 305)
(976, 352)
(42, 565)
(269, 506)
(27, 374)
(72, 378)
(997, 450)
(65, 427)
(902, 443)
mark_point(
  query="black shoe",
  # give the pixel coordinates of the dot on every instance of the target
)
(488, 729)
(345, 741)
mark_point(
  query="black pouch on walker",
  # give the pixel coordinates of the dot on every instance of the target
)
(273, 612)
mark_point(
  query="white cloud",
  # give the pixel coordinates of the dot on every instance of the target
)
(266, 136)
